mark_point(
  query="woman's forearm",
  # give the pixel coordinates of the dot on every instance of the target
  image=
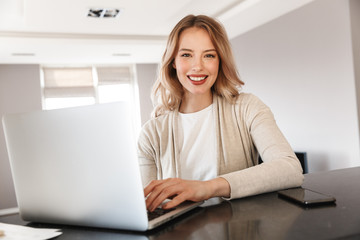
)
(219, 187)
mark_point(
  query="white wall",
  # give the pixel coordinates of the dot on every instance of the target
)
(355, 30)
(146, 75)
(19, 92)
(301, 65)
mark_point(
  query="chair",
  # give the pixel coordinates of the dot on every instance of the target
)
(302, 156)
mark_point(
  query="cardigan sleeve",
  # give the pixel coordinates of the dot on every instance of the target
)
(146, 155)
(281, 169)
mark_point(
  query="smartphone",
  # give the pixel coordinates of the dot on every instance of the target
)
(306, 197)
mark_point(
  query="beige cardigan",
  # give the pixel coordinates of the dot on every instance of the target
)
(243, 129)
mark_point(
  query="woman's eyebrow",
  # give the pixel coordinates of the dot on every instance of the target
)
(210, 50)
(185, 50)
(190, 50)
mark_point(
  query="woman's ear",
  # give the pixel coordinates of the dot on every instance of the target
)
(173, 64)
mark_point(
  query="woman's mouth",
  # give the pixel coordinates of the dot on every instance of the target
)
(197, 80)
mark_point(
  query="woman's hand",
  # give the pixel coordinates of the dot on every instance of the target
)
(181, 190)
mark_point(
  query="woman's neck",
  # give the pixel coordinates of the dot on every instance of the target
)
(194, 103)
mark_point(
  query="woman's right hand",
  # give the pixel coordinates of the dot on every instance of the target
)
(180, 190)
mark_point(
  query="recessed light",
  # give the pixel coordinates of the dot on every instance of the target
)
(23, 54)
(121, 54)
(103, 12)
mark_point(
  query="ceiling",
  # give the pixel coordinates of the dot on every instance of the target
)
(59, 32)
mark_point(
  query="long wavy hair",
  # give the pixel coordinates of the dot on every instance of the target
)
(167, 91)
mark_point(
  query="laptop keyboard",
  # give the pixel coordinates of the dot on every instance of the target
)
(158, 212)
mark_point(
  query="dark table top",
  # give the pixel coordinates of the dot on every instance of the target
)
(259, 217)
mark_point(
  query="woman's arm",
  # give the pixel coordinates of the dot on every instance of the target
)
(181, 190)
(147, 170)
(281, 169)
(146, 154)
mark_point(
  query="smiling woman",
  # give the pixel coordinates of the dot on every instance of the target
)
(197, 66)
(228, 82)
(206, 135)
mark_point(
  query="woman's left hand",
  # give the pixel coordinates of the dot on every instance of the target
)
(181, 190)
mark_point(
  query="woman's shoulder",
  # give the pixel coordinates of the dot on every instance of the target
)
(247, 98)
(246, 105)
(157, 123)
(243, 99)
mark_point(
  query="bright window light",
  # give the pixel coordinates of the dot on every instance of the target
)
(114, 93)
(54, 103)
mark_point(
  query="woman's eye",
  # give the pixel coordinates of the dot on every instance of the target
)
(185, 55)
(210, 56)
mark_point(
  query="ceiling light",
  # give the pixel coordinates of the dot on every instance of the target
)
(121, 54)
(23, 54)
(103, 12)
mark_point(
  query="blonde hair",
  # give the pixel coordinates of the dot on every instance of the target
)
(168, 92)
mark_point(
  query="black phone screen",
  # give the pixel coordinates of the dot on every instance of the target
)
(306, 197)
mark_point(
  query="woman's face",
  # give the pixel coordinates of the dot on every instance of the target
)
(196, 62)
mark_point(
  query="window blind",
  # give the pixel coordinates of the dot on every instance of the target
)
(113, 75)
(68, 82)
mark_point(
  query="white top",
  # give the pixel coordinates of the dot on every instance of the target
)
(197, 141)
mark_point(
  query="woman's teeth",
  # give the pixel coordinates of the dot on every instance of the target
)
(197, 78)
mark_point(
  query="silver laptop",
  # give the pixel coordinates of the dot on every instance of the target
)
(79, 166)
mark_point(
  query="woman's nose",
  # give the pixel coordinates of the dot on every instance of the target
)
(197, 64)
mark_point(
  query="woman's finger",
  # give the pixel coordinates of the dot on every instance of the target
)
(175, 201)
(149, 188)
(165, 194)
(160, 191)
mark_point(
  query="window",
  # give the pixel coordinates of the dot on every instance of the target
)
(68, 87)
(78, 86)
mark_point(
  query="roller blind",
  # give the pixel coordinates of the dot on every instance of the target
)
(113, 75)
(68, 82)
